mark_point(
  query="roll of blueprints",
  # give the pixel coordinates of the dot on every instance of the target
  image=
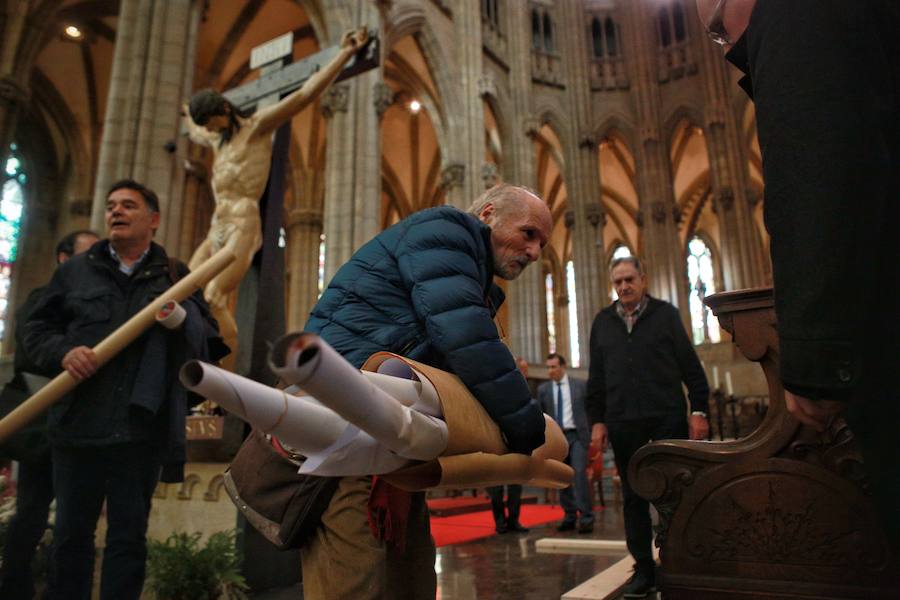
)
(307, 361)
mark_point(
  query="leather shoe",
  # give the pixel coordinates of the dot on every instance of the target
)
(586, 527)
(501, 528)
(566, 526)
(642, 583)
(518, 528)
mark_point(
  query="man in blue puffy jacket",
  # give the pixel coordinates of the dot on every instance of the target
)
(423, 289)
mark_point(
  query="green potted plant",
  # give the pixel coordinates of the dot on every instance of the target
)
(180, 568)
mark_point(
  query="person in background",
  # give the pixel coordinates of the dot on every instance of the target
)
(640, 356)
(34, 487)
(506, 518)
(563, 398)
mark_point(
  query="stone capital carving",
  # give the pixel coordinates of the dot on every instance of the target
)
(487, 86)
(490, 175)
(658, 211)
(12, 92)
(335, 99)
(303, 216)
(80, 207)
(753, 198)
(531, 126)
(452, 175)
(639, 218)
(382, 97)
(588, 141)
(569, 219)
(725, 198)
(594, 214)
(648, 134)
(676, 214)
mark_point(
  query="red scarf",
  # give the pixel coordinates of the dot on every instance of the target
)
(388, 512)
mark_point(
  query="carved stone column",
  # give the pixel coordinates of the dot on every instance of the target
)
(527, 310)
(303, 228)
(352, 204)
(152, 67)
(658, 212)
(582, 177)
(465, 120)
(743, 260)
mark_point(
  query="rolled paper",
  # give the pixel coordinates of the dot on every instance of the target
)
(728, 385)
(307, 361)
(116, 341)
(305, 425)
(715, 377)
(171, 315)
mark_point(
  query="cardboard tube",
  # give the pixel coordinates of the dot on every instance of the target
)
(299, 422)
(480, 469)
(306, 360)
(116, 342)
(171, 315)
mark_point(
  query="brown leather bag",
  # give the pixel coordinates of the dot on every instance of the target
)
(281, 504)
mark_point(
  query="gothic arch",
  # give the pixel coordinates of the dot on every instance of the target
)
(684, 112)
(409, 19)
(619, 123)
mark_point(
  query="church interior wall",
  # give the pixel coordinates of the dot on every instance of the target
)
(422, 159)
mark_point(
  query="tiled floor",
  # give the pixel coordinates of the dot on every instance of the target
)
(506, 567)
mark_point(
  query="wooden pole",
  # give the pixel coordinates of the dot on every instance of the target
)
(116, 342)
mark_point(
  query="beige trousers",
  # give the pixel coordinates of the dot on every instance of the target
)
(345, 561)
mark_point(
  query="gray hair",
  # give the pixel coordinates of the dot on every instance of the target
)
(504, 197)
(634, 260)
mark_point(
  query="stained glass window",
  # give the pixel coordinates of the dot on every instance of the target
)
(551, 315)
(620, 251)
(574, 347)
(701, 277)
(12, 202)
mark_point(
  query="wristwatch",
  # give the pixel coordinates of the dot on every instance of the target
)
(699, 413)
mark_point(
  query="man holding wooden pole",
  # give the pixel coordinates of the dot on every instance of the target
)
(123, 425)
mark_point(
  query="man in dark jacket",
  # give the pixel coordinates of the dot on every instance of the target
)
(824, 76)
(112, 435)
(640, 355)
(34, 487)
(423, 289)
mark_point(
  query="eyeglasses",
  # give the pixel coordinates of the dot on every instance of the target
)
(715, 28)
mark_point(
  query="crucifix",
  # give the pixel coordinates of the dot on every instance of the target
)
(248, 129)
(248, 177)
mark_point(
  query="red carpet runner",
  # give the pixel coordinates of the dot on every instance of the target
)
(457, 529)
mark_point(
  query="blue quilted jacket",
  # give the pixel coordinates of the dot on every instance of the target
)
(424, 289)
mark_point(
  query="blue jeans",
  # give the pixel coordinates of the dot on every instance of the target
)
(576, 499)
(125, 476)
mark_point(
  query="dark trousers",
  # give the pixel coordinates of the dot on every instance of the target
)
(626, 438)
(513, 504)
(34, 494)
(873, 417)
(125, 476)
(577, 499)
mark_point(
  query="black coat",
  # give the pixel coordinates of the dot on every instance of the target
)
(639, 374)
(828, 116)
(136, 396)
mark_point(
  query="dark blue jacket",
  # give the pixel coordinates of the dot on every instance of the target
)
(424, 289)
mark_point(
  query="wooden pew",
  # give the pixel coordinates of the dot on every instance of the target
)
(782, 513)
